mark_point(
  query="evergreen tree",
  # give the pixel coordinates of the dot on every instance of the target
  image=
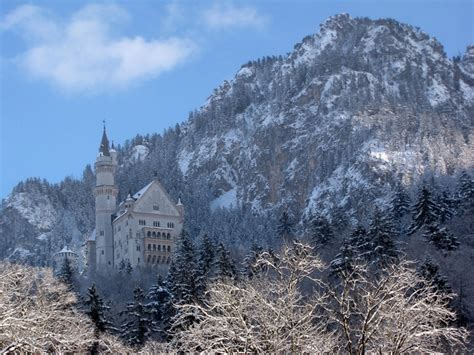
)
(441, 238)
(206, 256)
(321, 232)
(430, 272)
(96, 310)
(159, 305)
(425, 211)
(400, 202)
(465, 191)
(250, 268)
(381, 235)
(139, 323)
(225, 266)
(357, 247)
(446, 205)
(66, 273)
(286, 227)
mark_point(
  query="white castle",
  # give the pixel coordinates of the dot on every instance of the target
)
(142, 231)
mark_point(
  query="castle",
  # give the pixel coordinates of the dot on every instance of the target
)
(142, 231)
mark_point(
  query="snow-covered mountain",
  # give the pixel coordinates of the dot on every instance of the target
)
(330, 127)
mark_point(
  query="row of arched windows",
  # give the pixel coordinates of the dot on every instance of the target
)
(152, 259)
(155, 247)
(158, 235)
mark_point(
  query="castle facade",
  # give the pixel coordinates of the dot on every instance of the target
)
(141, 231)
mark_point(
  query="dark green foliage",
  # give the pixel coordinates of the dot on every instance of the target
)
(446, 205)
(382, 234)
(465, 192)
(159, 306)
(357, 247)
(425, 211)
(139, 324)
(430, 271)
(66, 273)
(440, 237)
(321, 232)
(96, 310)
(205, 262)
(286, 227)
(400, 202)
(225, 266)
(250, 269)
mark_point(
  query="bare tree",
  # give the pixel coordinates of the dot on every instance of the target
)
(394, 311)
(38, 315)
(266, 314)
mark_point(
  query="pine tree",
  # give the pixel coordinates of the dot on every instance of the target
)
(441, 238)
(425, 211)
(139, 323)
(250, 269)
(357, 247)
(400, 202)
(430, 272)
(182, 275)
(465, 192)
(446, 205)
(66, 273)
(382, 234)
(225, 266)
(97, 310)
(286, 227)
(159, 305)
(206, 256)
(321, 232)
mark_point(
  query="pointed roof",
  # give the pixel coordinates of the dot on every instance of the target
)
(104, 144)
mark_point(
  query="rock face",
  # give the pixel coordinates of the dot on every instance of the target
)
(332, 126)
(350, 111)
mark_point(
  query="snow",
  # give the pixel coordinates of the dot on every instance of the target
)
(42, 237)
(227, 200)
(20, 252)
(184, 160)
(245, 72)
(139, 152)
(142, 191)
(468, 91)
(36, 209)
(65, 249)
(437, 93)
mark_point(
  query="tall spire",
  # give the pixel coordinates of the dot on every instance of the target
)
(104, 143)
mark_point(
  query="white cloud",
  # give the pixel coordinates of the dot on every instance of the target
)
(82, 54)
(225, 15)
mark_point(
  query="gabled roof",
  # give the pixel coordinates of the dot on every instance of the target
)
(137, 196)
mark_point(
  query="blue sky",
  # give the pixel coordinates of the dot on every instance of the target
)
(142, 65)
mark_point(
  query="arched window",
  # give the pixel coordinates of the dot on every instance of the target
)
(149, 234)
(158, 259)
(149, 246)
(159, 247)
(168, 236)
(169, 248)
(149, 258)
(158, 235)
(153, 259)
(154, 234)
(154, 247)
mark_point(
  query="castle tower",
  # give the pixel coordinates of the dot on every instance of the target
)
(105, 193)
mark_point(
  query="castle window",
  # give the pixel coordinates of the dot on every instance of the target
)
(138, 262)
(142, 222)
(156, 207)
(169, 248)
(149, 234)
(108, 197)
(168, 236)
(154, 234)
(159, 247)
(158, 259)
(101, 233)
(149, 246)
(156, 223)
(138, 248)
(158, 234)
(154, 247)
(102, 252)
(153, 259)
(149, 258)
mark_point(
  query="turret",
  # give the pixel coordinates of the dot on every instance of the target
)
(180, 208)
(105, 194)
